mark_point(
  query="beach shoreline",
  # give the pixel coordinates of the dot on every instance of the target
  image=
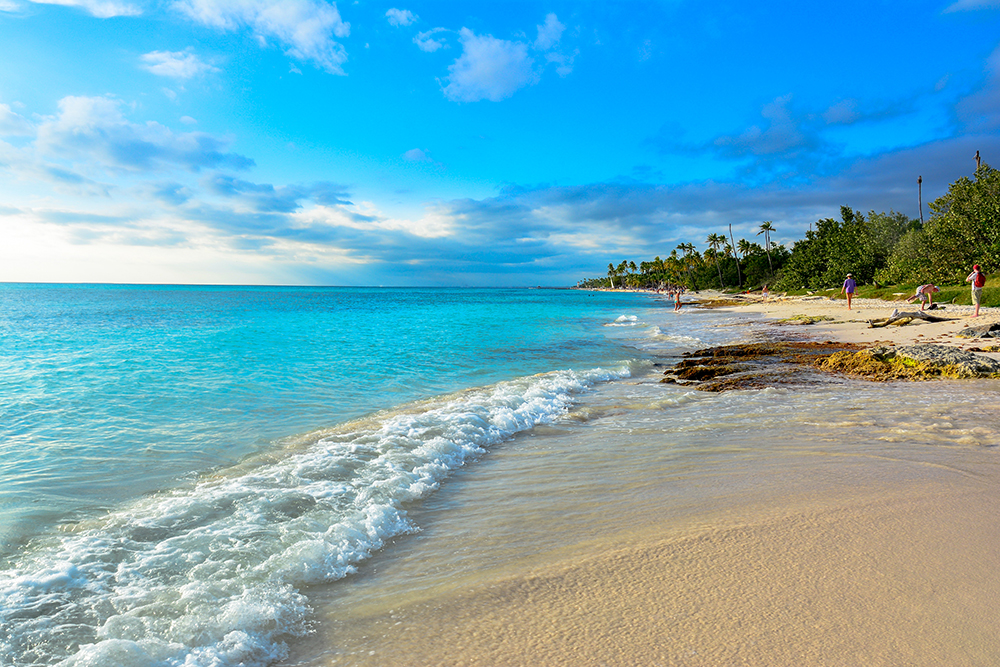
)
(829, 563)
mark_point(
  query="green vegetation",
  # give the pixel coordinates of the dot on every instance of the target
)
(887, 253)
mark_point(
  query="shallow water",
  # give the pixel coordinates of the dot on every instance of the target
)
(637, 460)
(219, 476)
(173, 451)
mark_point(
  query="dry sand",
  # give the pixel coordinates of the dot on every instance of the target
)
(852, 325)
(878, 576)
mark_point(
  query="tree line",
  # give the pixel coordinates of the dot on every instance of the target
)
(877, 248)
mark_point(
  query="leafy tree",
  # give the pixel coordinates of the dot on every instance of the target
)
(964, 229)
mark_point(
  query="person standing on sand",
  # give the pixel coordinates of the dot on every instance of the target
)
(848, 289)
(764, 292)
(978, 280)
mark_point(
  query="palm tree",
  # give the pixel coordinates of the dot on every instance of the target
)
(686, 249)
(744, 247)
(611, 274)
(766, 228)
(716, 240)
(622, 270)
(731, 248)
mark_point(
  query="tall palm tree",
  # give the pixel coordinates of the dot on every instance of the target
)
(732, 249)
(686, 249)
(611, 274)
(766, 228)
(623, 272)
(716, 240)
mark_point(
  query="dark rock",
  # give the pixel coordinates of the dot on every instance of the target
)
(943, 355)
(985, 331)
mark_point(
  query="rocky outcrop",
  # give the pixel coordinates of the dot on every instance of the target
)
(789, 363)
(975, 365)
(985, 331)
(912, 362)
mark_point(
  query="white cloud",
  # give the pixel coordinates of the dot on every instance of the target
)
(783, 133)
(102, 9)
(843, 112)
(9, 6)
(368, 219)
(980, 111)
(188, 120)
(400, 16)
(563, 63)
(13, 124)
(416, 155)
(426, 42)
(962, 5)
(489, 68)
(92, 131)
(549, 34)
(306, 28)
(175, 64)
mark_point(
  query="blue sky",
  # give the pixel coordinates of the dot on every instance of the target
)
(461, 143)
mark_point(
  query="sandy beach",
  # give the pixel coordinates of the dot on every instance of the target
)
(851, 326)
(824, 564)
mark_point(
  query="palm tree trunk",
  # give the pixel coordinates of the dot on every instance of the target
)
(767, 242)
(736, 257)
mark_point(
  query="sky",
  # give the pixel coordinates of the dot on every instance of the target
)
(434, 143)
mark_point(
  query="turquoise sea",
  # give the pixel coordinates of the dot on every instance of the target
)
(199, 475)
(170, 452)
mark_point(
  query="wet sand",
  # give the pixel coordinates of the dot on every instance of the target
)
(910, 579)
(847, 562)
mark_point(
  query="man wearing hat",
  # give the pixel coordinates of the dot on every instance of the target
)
(848, 289)
(978, 280)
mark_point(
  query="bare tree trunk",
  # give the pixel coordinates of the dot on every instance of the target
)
(920, 197)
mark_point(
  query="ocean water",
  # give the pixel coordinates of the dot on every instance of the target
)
(232, 475)
(179, 463)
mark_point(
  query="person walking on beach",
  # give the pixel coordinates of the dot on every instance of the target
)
(978, 280)
(848, 289)
(764, 292)
(926, 294)
(677, 300)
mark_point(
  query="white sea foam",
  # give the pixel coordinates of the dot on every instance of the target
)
(212, 575)
(624, 321)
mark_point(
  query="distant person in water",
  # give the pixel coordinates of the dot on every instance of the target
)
(926, 294)
(677, 300)
(978, 280)
(849, 287)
